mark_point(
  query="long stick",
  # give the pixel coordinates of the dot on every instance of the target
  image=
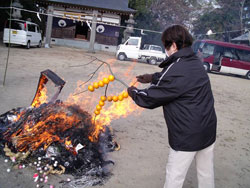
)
(7, 62)
(110, 70)
(119, 80)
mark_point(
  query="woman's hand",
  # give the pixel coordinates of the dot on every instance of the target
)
(130, 91)
(145, 78)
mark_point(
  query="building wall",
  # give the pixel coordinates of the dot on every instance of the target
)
(83, 44)
(106, 34)
(76, 26)
(63, 28)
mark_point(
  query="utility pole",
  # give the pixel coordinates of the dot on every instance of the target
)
(248, 37)
(241, 15)
(49, 26)
(93, 32)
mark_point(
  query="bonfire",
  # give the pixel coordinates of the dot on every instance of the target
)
(56, 137)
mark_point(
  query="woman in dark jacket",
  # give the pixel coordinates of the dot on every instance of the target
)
(183, 89)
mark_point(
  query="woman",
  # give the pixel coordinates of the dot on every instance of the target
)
(183, 89)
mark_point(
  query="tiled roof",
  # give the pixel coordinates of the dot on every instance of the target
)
(242, 37)
(117, 5)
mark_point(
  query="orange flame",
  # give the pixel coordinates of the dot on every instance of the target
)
(68, 143)
(33, 136)
(69, 146)
(18, 116)
(41, 95)
(40, 134)
(117, 110)
(109, 112)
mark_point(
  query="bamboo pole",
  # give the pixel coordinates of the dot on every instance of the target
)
(7, 62)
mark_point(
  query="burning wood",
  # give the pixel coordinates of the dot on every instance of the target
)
(41, 92)
(49, 123)
(55, 137)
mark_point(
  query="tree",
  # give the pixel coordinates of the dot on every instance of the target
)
(159, 14)
(168, 12)
(28, 5)
(213, 20)
(222, 20)
(146, 20)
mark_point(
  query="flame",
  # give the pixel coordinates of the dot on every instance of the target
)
(68, 143)
(41, 94)
(128, 71)
(86, 99)
(117, 110)
(109, 112)
(69, 146)
(34, 135)
(18, 116)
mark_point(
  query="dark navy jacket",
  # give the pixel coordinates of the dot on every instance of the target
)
(183, 89)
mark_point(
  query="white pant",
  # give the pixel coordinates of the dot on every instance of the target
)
(179, 162)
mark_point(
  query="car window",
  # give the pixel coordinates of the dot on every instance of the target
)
(208, 49)
(218, 51)
(146, 47)
(201, 45)
(229, 52)
(196, 46)
(31, 28)
(244, 55)
(156, 48)
(133, 42)
(37, 29)
(15, 25)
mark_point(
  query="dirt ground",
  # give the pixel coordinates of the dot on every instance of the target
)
(140, 163)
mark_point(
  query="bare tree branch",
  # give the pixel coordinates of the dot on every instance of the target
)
(93, 73)
(84, 64)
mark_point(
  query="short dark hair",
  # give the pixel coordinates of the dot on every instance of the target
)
(177, 34)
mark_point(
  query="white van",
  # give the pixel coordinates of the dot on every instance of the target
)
(22, 33)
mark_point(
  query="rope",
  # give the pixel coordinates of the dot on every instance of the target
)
(139, 29)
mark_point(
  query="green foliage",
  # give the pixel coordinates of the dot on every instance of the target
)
(142, 6)
(220, 20)
(145, 20)
(212, 20)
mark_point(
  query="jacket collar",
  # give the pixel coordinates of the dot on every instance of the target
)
(184, 52)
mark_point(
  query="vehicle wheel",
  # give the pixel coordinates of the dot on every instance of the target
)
(40, 44)
(206, 67)
(152, 61)
(28, 45)
(121, 56)
(7, 44)
(248, 75)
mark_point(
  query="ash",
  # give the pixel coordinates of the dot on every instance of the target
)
(85, 160)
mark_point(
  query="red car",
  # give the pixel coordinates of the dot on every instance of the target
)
(224, 57)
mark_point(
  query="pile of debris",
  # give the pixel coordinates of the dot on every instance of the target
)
(55, 138)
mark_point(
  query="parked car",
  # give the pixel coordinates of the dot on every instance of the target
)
(22, 32)
(224, 57)
(132, 49)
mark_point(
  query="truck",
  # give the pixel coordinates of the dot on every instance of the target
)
(133, 49)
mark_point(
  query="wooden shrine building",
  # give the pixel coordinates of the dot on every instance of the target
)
(85, 23)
